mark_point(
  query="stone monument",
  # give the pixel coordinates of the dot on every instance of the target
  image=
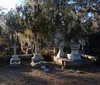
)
(15, 60)
(75, 55)
(37, 57)
(72, 59)
(57, 41)
(61, 53)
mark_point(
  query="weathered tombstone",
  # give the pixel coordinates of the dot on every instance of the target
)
(44, 68)
(73, 59)
(15, 60)
(61, 53)
(37, 57)
(75, 55)
(57, 40)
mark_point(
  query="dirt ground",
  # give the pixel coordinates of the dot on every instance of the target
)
(27, 75)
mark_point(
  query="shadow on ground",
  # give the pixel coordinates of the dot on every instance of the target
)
(27, 75)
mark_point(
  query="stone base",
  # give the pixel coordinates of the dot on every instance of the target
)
(64, 62)
(15, 61)
(36, 58)
(75, 56)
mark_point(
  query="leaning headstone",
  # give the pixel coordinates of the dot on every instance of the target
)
(46, 70)
(43, 67)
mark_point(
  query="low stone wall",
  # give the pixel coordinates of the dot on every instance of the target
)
(89, 57)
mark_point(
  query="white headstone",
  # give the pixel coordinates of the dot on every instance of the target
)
(37, 57)
(61, 52)
(75, 51)
(15, 60)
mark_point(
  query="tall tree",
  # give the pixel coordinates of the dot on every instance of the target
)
(45, 21)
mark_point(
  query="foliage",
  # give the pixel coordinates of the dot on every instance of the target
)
(48, 19)
(25, 39)
(3, 40)
(87, 9)
(89, 26)
(64, 21)
(14, 21)
(1, 11)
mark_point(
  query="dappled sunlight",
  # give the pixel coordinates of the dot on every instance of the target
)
(46, 42)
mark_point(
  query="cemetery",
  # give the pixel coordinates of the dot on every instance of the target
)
(52, 42)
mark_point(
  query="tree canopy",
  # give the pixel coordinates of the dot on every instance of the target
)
(70, 17)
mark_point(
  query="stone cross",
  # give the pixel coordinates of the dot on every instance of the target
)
(15, 48)
(37, 48)
(14, 43)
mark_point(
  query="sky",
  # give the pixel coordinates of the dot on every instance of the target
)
(9, 3)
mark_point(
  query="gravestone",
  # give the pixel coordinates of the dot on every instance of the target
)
(73, 59)
(57, 38)
(61, 53)
(15, 60)
(75, 55)
(37, 57)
